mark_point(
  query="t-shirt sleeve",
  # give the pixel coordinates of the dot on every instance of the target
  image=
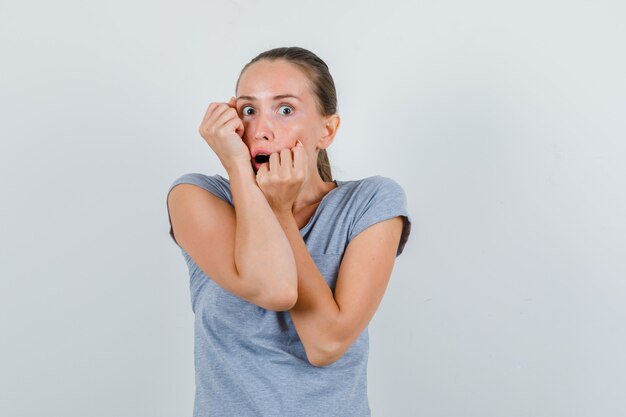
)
(380, 198)
(214, 184)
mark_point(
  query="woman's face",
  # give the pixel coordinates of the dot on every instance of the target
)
(277, 107)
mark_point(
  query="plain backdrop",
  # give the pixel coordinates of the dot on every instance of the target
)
(504, 121)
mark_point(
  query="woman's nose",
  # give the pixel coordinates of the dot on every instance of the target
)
(262, 127)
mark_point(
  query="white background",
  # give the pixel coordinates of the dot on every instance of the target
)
(503, 121)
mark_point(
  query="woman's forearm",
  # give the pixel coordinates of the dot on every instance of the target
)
(262, 251)
(316, 315)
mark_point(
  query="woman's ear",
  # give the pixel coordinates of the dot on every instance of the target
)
(331, 124)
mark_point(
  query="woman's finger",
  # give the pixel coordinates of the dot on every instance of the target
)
(299, 156)
(209, 112)
(235, 124)
(274, 162)
(225, 117)
(209, 124)
(240, 128)
(261, 173)
(286, 163)
(218, 113)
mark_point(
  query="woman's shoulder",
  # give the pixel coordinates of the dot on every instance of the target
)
(370, 200)
(201, 180)
(375, 184)
(215, 184)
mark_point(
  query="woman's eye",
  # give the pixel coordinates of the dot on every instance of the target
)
(285, 110)
(247, 110)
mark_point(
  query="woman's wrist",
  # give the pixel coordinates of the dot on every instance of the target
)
(283, 214)
(238, 168)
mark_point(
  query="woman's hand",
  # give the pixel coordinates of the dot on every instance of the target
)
(222, 129)
(281, 179)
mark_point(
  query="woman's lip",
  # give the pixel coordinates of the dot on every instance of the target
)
(261, 151)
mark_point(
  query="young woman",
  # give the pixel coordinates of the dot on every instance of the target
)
(287, 266)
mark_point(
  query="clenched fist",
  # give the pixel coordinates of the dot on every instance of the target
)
(222, 129)
(281, 179)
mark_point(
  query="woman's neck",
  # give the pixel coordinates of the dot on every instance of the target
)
(312, 191)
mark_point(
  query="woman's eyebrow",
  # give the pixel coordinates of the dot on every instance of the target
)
(278, 97)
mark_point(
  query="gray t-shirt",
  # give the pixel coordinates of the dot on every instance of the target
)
(250, 361)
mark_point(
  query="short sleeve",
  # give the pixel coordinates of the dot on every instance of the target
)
(215, 184)
(380, 198)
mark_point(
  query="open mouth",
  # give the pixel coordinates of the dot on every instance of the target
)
(261, 158)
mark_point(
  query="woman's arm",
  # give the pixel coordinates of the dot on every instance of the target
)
(262, 252)
(328, 324)
(244, 249)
